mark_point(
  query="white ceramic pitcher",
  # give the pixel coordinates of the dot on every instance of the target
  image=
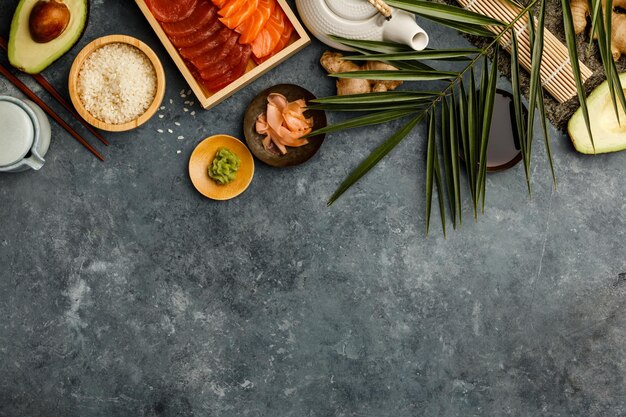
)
(358, 19)
(24, 135)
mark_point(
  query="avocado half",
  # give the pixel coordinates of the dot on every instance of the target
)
(608, 134)
(29, 56)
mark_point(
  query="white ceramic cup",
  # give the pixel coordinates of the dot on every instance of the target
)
(25, 135)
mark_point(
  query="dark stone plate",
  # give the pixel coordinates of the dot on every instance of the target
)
(295, 156)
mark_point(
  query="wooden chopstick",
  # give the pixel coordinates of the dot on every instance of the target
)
(58, 97)
(29, 93)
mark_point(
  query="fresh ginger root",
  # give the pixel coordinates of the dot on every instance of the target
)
(333, 63)
(618, 37)
(580, 11)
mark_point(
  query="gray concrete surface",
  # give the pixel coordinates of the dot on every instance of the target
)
(123, 292)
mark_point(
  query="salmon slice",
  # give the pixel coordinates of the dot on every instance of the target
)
(241, 16)
(252, 26)
(232, 7)
(271, 34)
(284, 41)
(203, 14)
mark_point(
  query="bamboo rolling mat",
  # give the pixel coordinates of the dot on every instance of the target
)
(556, 70)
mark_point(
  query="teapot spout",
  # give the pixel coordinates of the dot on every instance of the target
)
(402, 28)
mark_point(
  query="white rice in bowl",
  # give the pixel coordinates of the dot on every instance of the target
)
(117, 83)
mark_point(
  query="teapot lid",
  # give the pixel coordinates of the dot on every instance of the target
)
(18, 132)
(352, 9)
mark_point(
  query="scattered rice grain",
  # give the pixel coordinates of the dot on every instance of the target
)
(170, 131)
(177, 124)
(160, 130)
(181, 137)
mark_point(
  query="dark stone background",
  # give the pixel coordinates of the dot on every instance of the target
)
(126, 293)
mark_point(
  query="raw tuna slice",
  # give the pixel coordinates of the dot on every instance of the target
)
(220, 69)
(206, 46)
(203, 15)
(217, 55)
(199, 36)
(252, 26)
(234, 73)
(168, 11)
(269, 37)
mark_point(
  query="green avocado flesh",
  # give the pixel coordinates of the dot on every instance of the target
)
(608, 134)
(29, 56)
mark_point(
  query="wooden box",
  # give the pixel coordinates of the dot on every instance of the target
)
(300, 39)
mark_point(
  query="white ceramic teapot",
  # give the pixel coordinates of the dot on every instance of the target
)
(24, 135)
(358, 19)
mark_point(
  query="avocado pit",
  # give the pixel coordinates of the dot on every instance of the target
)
(48, 20)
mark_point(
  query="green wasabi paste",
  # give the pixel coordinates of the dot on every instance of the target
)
(223, 169)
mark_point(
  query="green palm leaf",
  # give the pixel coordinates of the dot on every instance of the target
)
(454, 155)
(520, 122)
(570, 38)
(367, 120)
(433, 174)
(444, 11)
(486, 125)
(416, 105)
(474, 135)
(373, 46)
(399, 75)
(440, 54)
(544, 128)
(535, 80)
(375, 157)
(377, 98)
(440, 197)
(431, 154)
(615, 85)
(594, 6)
(465, 136)
(447, 158)
(470, 29)
(466, 116)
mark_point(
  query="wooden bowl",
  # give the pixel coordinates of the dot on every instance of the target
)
(203, 156)
(78, 63)
(295, 156)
